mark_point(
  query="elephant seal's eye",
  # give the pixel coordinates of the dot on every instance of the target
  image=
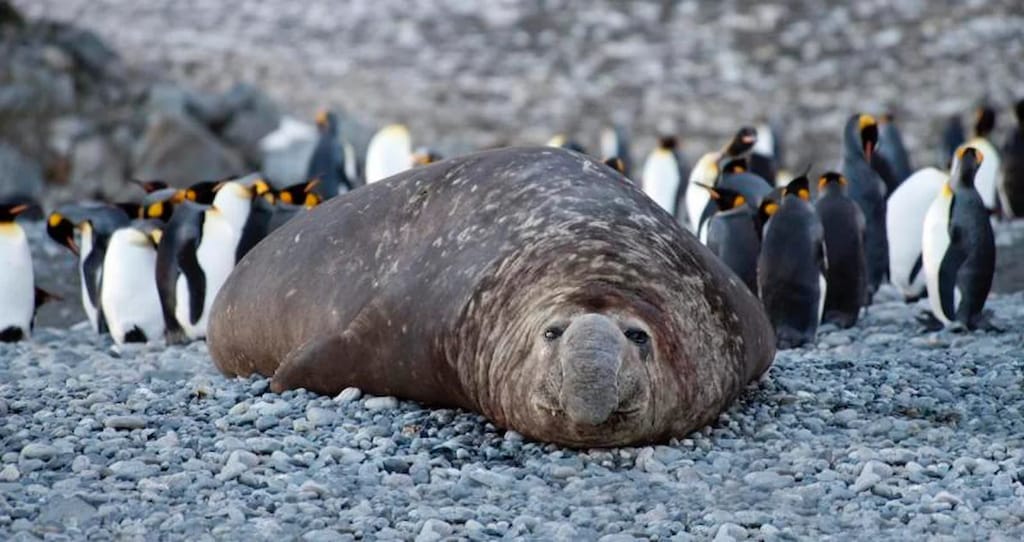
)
(553, 333)
(637, 336)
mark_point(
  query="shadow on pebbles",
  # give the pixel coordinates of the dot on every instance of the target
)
(881, 431)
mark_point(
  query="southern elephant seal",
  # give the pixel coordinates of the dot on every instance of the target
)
(535, 286)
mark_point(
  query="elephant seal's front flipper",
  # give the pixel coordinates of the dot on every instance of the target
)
(304, 367)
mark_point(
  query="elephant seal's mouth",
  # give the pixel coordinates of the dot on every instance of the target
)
(622, 413)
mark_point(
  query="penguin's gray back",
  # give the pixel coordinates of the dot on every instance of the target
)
(866, 189)
(843, 228)
(890, 145)
(733, 237)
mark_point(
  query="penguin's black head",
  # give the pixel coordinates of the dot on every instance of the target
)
(424, 156)
(9, 211)
(202, 192)
(62, 230)
(799, 187)
(326, 121)
(160, 204)
(262, 189)
(668, 142)
(725, 199)
(742, 142)
(616, 163)
(736, 165)
(150, 186)
(868, 127)
(765, 211)
(984, 121)
(831, 181)
(969, 160)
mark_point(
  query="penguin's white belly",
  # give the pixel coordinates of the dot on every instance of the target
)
(697, 198)
(987, 179)
(216, 257)
(822, 290)
(17, 284)
(904, 220)
(91, 311)
(661, 179)
(389, 152)
(129, 296)
(934, 244)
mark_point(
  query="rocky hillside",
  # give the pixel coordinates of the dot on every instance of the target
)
(464, 73)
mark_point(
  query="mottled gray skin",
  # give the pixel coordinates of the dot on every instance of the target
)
(445, 285)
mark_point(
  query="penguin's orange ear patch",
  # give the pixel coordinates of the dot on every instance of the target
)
(865, 120)
(804, 194)
(771, 208)
(822, 182)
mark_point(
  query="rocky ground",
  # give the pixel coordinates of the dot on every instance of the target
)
(877, 432)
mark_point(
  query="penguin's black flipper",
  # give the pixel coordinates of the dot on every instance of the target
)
(92, 269)
(196, 279)
(952, 260)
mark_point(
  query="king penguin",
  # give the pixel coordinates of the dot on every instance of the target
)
(17, 283)
(662, 177)
(389, 152)
(904, 223)
(95, 222)
(987, 180)
(958, 247)
(1011, 191)
(791, 267)
(733, 234)
(860, 137)
(708, 169)
(843, 225)
(329, 162)
(128, 296)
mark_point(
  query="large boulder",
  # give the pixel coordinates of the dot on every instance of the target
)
(98, 168)
(180, 151)
(252, 116)
(286, 151)
(19, 175)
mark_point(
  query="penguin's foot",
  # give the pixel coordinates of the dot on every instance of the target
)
(176, 337)
(843, 320)
(929, 321)
(957, 327)
(984, 322)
